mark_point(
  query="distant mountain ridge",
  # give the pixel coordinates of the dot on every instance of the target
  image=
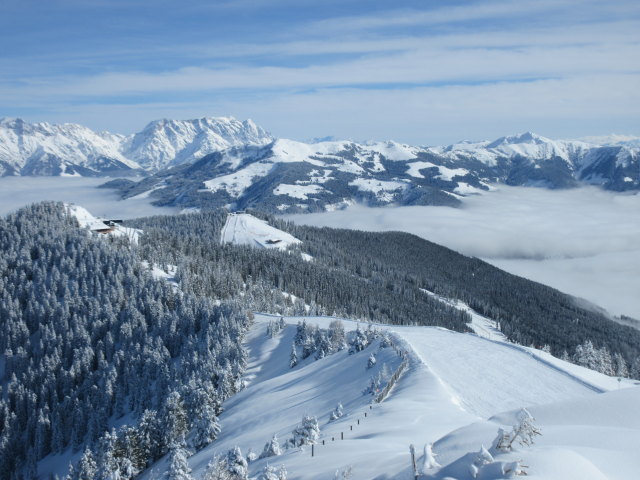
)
(213, 162)
(73, 150)
(290, 177)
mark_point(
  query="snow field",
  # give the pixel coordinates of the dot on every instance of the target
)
(87, 220)
(453, 383)
(245, 229)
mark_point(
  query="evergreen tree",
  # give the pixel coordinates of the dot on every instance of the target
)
(178, 465)
(307, 432)
(293, 358)
(372, 361)
(635, 369)
(359, 341)
(336, 413)
(206, 427)
(268, 473)
(87, 468)
(271, 448)
(217, 470)
(237, 465)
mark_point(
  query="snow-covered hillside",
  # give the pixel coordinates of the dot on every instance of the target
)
(245, 229)
(456, 392)
(87, 220)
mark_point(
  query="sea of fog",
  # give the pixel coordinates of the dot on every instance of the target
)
(585, 241)
(16, 192)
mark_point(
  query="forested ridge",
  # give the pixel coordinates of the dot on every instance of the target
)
(206, 267)
(528, 312)
(379, 277)
(88, 336)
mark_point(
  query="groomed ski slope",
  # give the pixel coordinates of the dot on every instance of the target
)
(453, 384)
(488, 377)
(245, 229)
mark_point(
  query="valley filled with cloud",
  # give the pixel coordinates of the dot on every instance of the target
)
(582, 241)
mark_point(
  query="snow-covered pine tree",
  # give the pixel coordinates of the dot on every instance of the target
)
(251, 455)
(271, 448)
(206, 428)
(178, 465)
(372, 361)
(524, 431)
(282, 473)
(174, 418)
(87, 468)
(635, 369)
(307, 432)
(337, 336)
(217, 470)
(359, 341)
(620, 366)
(268, 473)
(336, 413)
(322, 344)
(237, 464)
(293, 358)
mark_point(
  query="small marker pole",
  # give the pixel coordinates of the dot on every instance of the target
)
(312, 449)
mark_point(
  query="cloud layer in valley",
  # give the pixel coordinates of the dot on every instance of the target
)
(582, 241)
(16, 192)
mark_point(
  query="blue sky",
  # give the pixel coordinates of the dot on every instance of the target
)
(421, 72)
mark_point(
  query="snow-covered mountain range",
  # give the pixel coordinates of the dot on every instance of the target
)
(70, 149)
(226, 162)
(289, 176)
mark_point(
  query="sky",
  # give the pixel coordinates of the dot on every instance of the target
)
(422, 72)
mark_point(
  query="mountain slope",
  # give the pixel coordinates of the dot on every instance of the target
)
(425, 406)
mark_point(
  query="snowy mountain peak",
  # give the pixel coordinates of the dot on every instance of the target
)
(165, 143)
(65, 149)
(527, 137)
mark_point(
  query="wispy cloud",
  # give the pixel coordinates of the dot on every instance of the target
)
(418, 55)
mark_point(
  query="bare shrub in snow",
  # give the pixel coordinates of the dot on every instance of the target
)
(345, 474)
(429, 458)
(524, 431)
